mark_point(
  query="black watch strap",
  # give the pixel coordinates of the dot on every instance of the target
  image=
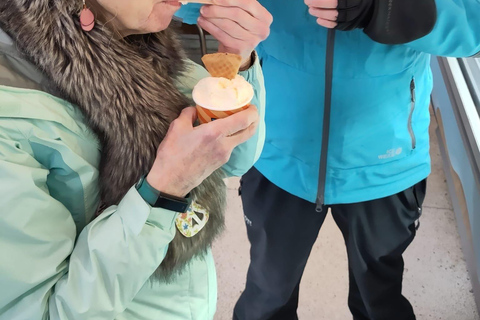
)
(162, 200)
(172, 203)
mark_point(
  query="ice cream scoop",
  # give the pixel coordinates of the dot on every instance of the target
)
(223, 94)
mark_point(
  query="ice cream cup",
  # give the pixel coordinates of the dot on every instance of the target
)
(206, 115)
(208, 111)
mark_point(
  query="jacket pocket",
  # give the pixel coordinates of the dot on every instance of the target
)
(412, 110)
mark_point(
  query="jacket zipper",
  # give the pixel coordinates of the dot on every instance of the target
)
(412, 109)
(326, 120)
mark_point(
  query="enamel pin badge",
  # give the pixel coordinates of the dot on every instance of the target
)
(191, 222)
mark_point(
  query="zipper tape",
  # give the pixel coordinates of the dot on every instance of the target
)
(326, 119)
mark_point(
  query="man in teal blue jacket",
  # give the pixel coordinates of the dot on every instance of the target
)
(347, 129)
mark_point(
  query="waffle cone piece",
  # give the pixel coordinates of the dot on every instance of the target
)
(224, 65)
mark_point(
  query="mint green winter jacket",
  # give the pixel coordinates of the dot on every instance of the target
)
(59, 263)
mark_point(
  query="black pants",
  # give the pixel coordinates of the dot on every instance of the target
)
(282, 229)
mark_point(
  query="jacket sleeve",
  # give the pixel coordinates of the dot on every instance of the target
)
(245, 155)
(456, 32)
(46, 270)
(189, 13)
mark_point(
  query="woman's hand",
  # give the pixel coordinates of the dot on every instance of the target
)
(239, 25)
(188, 155)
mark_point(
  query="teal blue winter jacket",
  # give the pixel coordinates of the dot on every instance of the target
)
(378, 137)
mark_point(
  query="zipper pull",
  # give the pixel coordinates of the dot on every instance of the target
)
(412, 90)
(319, 205)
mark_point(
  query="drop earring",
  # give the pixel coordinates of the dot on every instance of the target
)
(87, 19)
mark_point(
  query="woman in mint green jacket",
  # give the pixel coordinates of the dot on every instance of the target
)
(99, 152)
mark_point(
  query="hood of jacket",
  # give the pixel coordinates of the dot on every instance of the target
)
(125, 89)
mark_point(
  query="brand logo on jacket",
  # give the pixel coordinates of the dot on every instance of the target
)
(248, 221)
(391, 153)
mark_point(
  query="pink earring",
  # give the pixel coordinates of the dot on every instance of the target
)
(87, 19)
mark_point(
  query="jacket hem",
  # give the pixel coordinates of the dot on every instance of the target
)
(411, 171)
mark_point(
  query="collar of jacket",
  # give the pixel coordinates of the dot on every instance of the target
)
(126, 90)
(22, 73)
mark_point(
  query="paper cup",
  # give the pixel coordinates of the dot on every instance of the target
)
(206, 115)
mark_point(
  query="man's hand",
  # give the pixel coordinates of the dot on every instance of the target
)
(239, 25)
(389, 22)
(341, 14)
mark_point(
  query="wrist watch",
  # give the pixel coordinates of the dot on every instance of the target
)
(162, 200)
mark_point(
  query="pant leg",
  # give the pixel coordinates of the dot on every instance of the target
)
(376, 235)
(355, 302)
(282, 229)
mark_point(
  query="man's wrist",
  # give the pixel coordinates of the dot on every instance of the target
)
(249, 62)
(401, 21)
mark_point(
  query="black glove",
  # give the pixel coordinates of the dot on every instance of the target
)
(388, 21)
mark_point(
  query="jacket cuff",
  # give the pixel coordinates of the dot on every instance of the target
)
(135, 212)
(250, 73)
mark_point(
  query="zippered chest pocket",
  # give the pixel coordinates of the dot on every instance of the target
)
(381, 130)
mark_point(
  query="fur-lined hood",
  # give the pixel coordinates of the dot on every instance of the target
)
(126, 91)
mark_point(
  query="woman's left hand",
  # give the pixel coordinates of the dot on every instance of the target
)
(239, 25)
